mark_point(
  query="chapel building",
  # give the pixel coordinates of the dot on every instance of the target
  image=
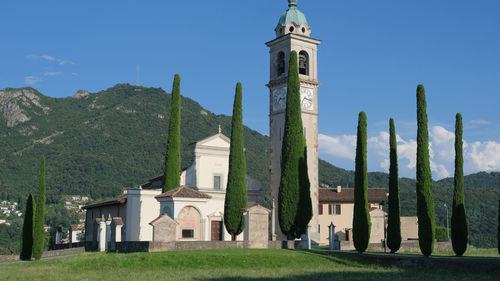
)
(196, 208)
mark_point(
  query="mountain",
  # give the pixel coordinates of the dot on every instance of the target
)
(98, 144)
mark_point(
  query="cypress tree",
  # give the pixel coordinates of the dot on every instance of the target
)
(498, 225)
(361, 225)
(27, 235)
(304, 213)
(291, 152)
(172, 174)
(394, 221)
(236, 191)
(459, 232)
(425, 201)
(39, 230)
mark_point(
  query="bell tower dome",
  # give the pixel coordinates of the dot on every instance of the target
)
(293, 33)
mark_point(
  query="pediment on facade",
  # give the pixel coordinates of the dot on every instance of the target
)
(218, 140)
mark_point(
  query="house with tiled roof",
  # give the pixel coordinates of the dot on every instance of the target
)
(195, 209)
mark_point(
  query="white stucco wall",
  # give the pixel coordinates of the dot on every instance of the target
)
(142, 208)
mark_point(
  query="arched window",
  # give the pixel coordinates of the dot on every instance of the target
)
(281, 63)
(303, 63)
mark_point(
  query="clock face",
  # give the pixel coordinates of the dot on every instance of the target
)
(306, 98)
(279, 98)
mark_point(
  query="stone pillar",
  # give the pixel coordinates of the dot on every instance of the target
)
(333, 240)
(108, 232)
(308, 237)
(118, 233)
(273, 221)
(203, 230)
(101, 235)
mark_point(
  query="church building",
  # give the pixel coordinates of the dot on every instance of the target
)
(196, 207)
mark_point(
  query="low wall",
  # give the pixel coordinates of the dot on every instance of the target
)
(466, 264)
(406, 246)
(132, 247)
(67, 246)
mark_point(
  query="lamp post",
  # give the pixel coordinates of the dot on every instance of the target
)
(447, 227)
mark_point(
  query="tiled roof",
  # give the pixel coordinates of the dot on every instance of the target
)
(184, 192)
(375, 195)
(112, 201)
(77, 226)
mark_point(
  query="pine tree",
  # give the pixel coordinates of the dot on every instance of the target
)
(394, 221)
(425, 201)
(361, 225)
(291, 153)
(27, 235)
(459, 230)
(172, 174)
(39, 230)
(236, 191)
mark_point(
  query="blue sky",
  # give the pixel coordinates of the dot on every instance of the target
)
(373, 55)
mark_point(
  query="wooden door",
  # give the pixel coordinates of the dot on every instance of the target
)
(216, 231)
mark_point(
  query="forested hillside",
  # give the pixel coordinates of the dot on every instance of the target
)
(98, 144)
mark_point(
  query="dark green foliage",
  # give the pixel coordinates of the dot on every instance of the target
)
(425, 201)
(236, 191)
(361, 225)
(394, 221)
(442, 233)
(459, 229)
(39, 230)
(291, 153)
(27, 242)
(498, 226)
(173, 155)
(304, 213)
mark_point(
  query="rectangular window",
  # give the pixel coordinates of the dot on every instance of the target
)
(330, 207)
(320, 209)
(337, 209)
(188, 233)
(217, 182)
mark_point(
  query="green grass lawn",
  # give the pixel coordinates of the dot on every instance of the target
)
(471, 252)
(223, 265)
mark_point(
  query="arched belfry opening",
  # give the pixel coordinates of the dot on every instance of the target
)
(303, 63)
(281, 63)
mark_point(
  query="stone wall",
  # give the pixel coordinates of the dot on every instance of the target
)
(132, 247)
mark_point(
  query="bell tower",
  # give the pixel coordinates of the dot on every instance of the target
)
(293, 34)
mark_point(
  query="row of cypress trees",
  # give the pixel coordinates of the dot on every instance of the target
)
(425, 201)
(236, 190)
(33, 233)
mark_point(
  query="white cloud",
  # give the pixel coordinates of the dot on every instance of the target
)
(342, 146)
(48, 73)
(50, 58)
(476, 123)
(32, 80)
(478, 156)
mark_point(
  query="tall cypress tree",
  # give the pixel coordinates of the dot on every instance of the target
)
(361, 225)
(39, 230)
(172, 176)
(27, 235)
(459, 230)
(291, 152)
(236, 191)
(425, 201)
(394, 224)
(304, 213)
